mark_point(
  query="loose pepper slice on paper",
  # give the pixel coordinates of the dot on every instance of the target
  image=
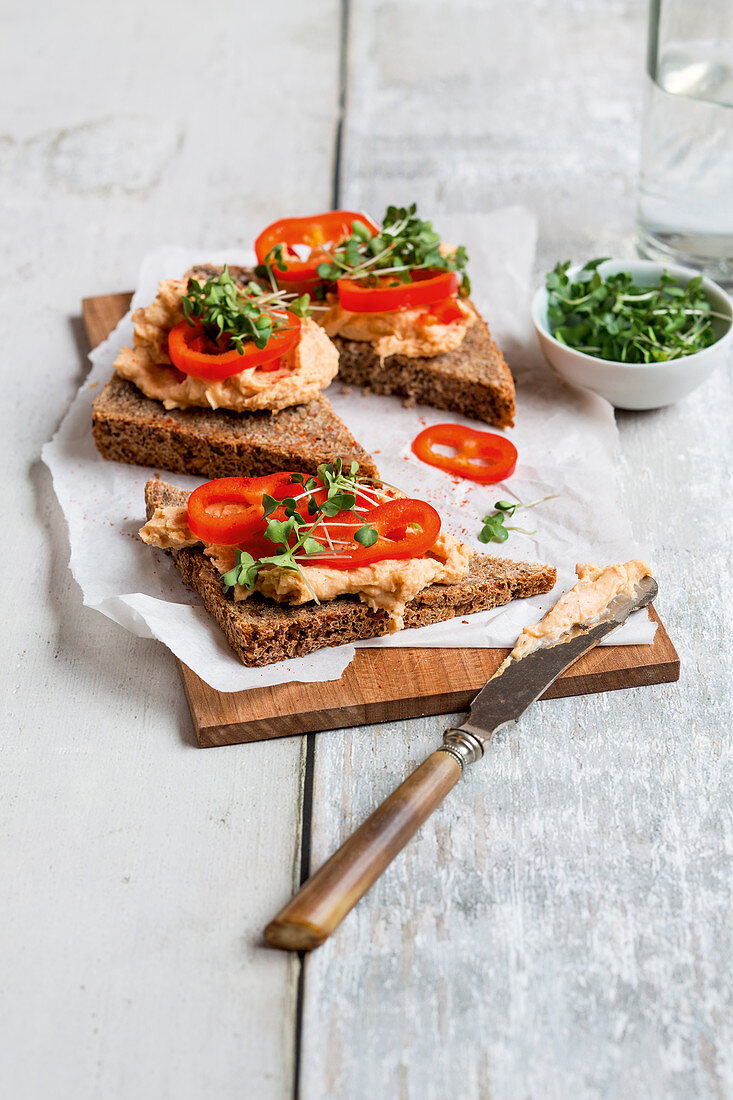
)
(479, 456)
(194, 353)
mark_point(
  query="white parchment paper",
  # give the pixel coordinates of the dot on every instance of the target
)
(566, 441)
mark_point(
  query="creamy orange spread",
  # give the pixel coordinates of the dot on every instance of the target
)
(399, 332)
(304, 372)
(386, 585)
(596, 587)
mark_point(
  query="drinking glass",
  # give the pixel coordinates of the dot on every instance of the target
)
(685, 212)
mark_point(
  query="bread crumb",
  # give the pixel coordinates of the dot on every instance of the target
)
(345, 389)
(409, 403)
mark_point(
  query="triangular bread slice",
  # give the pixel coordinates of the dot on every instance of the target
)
(130, 427)
(473, 379)
(261, 632)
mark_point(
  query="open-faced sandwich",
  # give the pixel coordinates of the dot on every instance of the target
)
(394, 298)
(223, 377)
(288, 564)
(227, 366)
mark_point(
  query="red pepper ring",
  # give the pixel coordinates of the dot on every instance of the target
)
(426, 288)
(480, 456)
(186, 347)
(319, 233)
(406, 528)
(215, 526)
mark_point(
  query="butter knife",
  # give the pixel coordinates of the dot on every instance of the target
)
(324, 900)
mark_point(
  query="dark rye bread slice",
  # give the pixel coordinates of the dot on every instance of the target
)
(473, 379)
(129, 427)
(261, 632)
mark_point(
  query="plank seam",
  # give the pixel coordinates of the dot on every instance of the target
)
(343, 62)
(306, 833)
(306, 827)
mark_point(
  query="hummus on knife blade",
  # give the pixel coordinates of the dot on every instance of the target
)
(586, 600)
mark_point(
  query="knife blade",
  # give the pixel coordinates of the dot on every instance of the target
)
(518, 683)
(324, 900)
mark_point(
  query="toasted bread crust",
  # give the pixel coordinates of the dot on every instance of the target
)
(473, 379)
(261, 632)
(129, 427)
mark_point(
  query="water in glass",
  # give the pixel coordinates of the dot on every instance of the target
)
(686, 189)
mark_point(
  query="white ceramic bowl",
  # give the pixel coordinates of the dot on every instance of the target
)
(638, 385)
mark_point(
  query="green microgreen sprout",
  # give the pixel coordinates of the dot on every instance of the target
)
(242, 314)
(495, 528)
(346, 491)
(612, 318)
(366, 535)
(405, 243)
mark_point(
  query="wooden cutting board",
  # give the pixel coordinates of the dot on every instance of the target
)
(381, 685)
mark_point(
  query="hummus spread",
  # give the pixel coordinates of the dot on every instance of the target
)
(386, 585)
(584, 602)
(303, 373)
(399, 332)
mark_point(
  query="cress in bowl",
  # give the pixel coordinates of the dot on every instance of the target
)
(641, 334)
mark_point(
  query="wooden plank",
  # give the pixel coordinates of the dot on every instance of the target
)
(101, 313)
(372, 689)
(560, 926)
(137, 871)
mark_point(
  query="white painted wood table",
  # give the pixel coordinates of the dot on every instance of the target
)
(562, 926)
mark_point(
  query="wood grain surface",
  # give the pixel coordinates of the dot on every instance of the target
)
(561, 924)
(373, 687)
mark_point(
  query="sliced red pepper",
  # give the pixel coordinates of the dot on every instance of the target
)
(480, 456)
(318, 233)
(228, 510)
(189, 350)
(407, 528)
(443, 313)
(427, 287)
(412, 526)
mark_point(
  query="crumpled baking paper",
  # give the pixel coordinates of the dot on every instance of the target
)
(566, 440)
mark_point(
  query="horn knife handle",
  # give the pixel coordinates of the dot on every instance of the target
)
(324, 900)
